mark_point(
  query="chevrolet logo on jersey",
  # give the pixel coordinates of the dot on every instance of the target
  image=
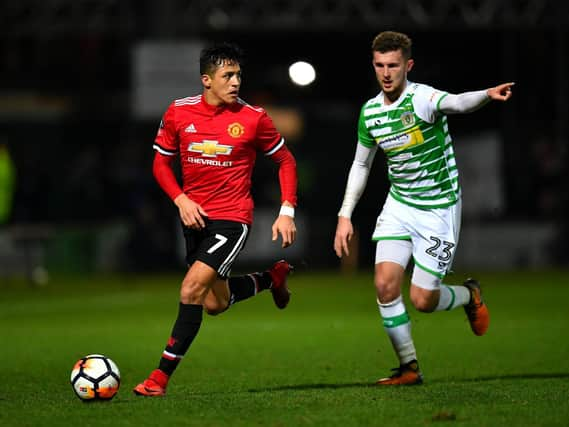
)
(208, 148)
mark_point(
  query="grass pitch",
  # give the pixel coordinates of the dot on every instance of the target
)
(312, 364)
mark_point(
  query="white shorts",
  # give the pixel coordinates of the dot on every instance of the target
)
(433, 234)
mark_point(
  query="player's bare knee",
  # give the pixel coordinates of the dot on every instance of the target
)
(423, 302)
(388, 278)
(214, 306)
(192, 292)
(424, 292)
(381, 283)
(214, 310)
(387, 289)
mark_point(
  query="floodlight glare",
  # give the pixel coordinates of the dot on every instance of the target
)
(302, 73)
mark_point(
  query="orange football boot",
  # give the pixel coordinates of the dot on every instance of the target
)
(407, 374)
(476, 310)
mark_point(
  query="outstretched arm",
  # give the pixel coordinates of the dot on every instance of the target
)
(502, 92)
(471, 101)
(357, 180)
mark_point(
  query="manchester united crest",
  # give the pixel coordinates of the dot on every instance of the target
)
(235, 130)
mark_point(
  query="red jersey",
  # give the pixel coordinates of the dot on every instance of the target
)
(217, 148)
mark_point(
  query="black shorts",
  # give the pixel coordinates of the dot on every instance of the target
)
(217, 245)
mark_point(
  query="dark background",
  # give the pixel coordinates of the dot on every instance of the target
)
(83, 161)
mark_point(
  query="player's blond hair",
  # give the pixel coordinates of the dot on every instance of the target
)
(389, 41)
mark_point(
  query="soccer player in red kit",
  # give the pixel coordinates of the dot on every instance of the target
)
(217, 137)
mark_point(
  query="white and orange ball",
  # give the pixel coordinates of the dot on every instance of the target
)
(95, 377)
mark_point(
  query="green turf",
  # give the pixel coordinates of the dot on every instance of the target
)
(311, 364)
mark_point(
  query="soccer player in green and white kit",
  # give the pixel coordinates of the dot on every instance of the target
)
(421, 215)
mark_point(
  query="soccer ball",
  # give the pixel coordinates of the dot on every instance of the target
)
(95, 377)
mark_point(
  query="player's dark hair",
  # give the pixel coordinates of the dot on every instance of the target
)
(215, 56)
(389, 41)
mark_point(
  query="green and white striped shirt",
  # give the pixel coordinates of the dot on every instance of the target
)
(414, 135)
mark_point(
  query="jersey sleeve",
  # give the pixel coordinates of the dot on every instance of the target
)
(364, 137)
(269, 140)
(287, 174)
(164, 175)
(166, 142)
(426, 102)
(271, 143)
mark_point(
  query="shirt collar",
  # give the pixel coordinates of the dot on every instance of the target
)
(213, 109)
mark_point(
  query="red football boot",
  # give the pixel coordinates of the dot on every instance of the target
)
(279, 272)
(154, 385)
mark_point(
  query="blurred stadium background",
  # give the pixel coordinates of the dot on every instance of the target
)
(83, 85)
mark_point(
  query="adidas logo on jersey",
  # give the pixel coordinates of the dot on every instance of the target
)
(191, 128)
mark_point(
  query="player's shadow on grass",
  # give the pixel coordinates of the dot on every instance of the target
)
(537, 376)
(315, 386)
(320, 386)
